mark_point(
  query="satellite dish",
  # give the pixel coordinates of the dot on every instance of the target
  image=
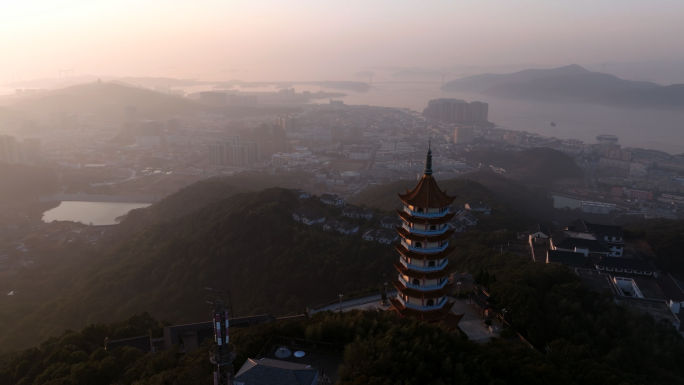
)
(283, 352)
(299, 354)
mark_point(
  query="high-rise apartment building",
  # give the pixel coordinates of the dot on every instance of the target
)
(253, 152)
(287, 123)
(32, 149)
(9, 149)
(457, 111)
(217, 154)
(464, 135)
(213, 98)
(232, 152)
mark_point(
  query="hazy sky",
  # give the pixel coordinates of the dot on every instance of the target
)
(317, 40)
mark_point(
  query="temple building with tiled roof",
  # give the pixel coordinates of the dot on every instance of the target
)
(423, 267)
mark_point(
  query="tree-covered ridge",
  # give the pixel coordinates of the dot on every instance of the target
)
(585, 332)
(466, 190)
(178, 204)
(249, 244)
(535, 166)
(380, 349)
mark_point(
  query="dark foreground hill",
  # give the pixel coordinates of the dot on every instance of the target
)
(578, 336)
(248, 244)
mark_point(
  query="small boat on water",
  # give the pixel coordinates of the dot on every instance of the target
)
(553, 124)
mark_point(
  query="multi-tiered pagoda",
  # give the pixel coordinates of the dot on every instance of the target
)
(423, 267)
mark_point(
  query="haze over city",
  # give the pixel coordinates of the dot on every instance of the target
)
(311, 40)
(349, 193)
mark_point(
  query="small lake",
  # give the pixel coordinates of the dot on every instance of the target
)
(561, 202)
(97, 213)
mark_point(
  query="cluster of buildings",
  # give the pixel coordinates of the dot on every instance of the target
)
(333, 148)
(597, 254)
(457, 111)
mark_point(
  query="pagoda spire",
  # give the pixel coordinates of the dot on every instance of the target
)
(428, 161)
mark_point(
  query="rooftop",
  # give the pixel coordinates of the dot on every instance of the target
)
(624, 263)
(658, 309)
(269, 371)
(318, 357)
(596, 281)
(566, 258)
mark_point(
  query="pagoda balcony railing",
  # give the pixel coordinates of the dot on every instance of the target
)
(437, 305)
(425, 232)
(423, 268)
(425, 249)
(440, 213)
(419, 287)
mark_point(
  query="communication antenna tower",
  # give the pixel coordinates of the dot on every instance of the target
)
(223, 354)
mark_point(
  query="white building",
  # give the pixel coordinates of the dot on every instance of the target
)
(597, 207)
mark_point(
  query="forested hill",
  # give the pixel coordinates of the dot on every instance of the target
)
(579, 337)
(514, 206)
(178, 204)
(540, 166)
(248, 244)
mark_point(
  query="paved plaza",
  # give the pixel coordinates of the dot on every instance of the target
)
(471, 324)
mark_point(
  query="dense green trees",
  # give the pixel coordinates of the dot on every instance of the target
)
(248, 244)
(466, 190)
(380, 349)
(539, 165)
(77, 358)
(588, 335)
(178, 204)
(663, 239)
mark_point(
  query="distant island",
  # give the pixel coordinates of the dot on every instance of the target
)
(571, 83)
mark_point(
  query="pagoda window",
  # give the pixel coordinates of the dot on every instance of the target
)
(430, 302)
(418, 244)
(433, 227)
(416, 282)
(431, 264)
(420, 209)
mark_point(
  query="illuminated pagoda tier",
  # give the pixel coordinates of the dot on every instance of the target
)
(423, 266)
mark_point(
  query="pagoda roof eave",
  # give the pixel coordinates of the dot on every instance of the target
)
(415, 293)
(427, 194)
(430, 257)
(425, 238)
(425, 221)
(429, 316)
(423, 275)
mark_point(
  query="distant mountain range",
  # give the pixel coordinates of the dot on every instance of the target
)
(108, 99)
(571, 84)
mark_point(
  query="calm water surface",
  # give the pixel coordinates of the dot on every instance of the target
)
(654, 129)
(97, 213)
